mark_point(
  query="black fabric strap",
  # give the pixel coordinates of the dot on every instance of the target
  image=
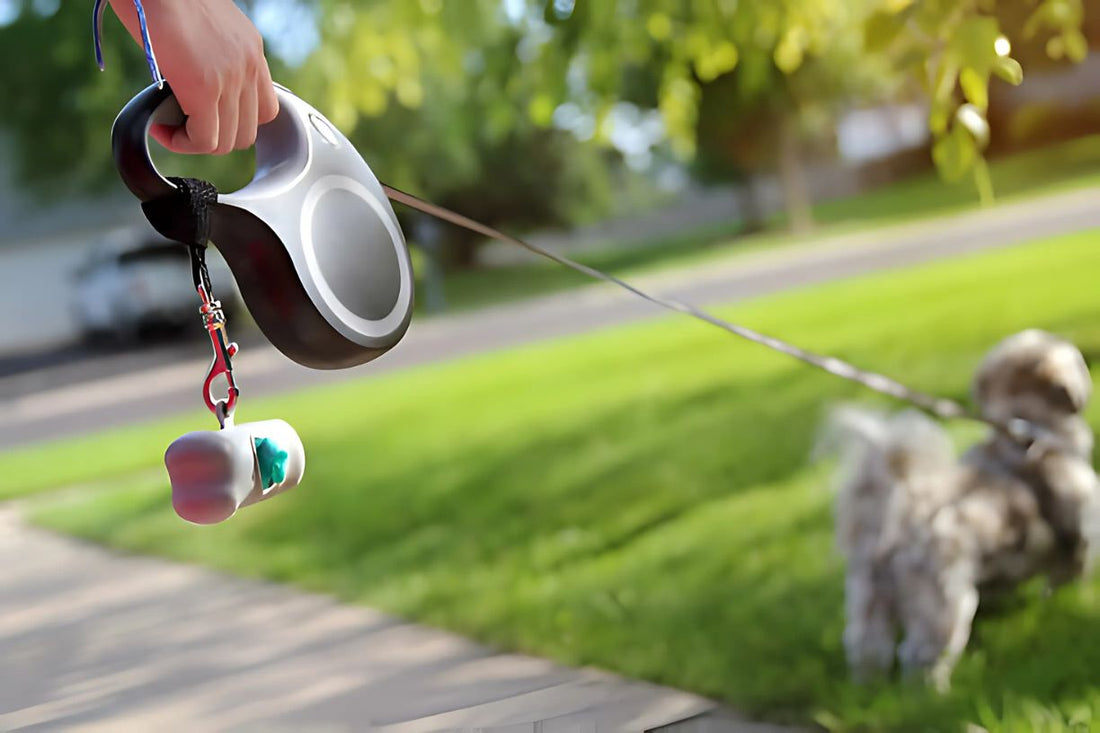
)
(185, 215)
(185, 218)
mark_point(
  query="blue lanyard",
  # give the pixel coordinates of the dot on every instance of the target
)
(97, 30)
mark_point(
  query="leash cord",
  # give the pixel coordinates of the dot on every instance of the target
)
(941, 407)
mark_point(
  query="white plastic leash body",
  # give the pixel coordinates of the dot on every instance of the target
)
(215, 473)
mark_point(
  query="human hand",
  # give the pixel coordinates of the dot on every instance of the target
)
(212, 56)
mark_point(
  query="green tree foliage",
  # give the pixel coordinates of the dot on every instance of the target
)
(456, 100)
(431, 93)
(737, 80)
(54, 99)
(954, 49)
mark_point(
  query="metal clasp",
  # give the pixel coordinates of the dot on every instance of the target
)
(222, 366)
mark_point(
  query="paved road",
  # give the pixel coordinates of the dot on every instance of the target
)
(83, 396)
(95, 641)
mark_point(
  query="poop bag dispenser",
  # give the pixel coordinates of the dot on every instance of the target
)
(214, 473)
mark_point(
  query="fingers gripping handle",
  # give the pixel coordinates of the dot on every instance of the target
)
(169, 113)
(157, 105)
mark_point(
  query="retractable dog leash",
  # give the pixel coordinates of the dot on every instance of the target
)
(322, 264)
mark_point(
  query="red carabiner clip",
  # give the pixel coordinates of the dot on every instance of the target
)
(222, 365)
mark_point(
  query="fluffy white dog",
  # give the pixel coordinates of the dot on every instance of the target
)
(924, 533)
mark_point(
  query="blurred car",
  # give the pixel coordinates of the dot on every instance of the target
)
(132, 286)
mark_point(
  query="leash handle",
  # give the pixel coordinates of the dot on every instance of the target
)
(130, 141)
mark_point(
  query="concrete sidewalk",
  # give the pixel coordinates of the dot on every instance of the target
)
(95, 641)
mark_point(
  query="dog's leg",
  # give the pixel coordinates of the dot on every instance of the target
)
(926, 617)
(938, 614)
(963, 601)
(870, 634)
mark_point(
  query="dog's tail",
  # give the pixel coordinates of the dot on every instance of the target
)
(890, 464)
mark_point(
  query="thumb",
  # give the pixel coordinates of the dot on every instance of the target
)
(197, 136)
(163, 134)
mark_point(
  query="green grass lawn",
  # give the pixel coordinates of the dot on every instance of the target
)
(1054, 168)
(640, 499)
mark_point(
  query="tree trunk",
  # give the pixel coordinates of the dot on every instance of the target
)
(461, 249)
(433, 291)
(792, 175)
(751, 208)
